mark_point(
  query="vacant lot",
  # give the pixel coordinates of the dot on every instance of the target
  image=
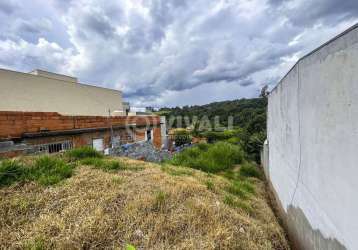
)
(110, 203)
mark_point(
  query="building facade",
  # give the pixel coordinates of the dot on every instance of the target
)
(41, 91)
(43, 112)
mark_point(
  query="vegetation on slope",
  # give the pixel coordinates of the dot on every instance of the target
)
(247, 113)
(249, 122)
(138, 204)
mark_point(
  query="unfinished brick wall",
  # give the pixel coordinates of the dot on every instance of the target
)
(15, 124)
(157, 137)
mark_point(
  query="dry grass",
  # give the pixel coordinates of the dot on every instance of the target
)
(145, 205)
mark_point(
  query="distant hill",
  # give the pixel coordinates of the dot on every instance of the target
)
(249, 114)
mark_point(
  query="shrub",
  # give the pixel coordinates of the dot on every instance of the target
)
(250, 170)
(186, 157)
(49, 170)
(222, 156)
(84, 152)
(10, 171)
(203, 146)
(234, 140)
(181, 137)
(106, 165)
(218, 157)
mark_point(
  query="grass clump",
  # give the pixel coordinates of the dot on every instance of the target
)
(209, 185)
(10, 172)
(177, 171)
(250, 170)
(241, 189)
(232, 202)
(106, 165)
(82, 153)
(45, 170)
(210, 158)
(160, 200)
(49, 170)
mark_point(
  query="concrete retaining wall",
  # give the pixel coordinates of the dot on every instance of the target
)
(313, 146)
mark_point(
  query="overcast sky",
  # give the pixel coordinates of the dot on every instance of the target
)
(169, 52)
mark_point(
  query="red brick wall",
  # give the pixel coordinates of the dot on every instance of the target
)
(157, 140)
(14, 124)
(140, 134)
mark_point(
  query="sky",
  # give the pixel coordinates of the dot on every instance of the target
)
(169, 52)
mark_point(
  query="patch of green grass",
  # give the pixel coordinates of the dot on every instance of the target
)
(130, 247)
(10, 172)
(229, 200)
(104, 164)
(82, 153)
(49, 170)
(45, 170)
(209, 185)
(36, 244)
(241, 189)
(177, 171)
(203, 146)
(250, 170)
(233, 202)
(217, 157)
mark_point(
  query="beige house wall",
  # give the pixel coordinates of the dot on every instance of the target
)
(40, 93)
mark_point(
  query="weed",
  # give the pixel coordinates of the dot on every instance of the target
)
(10, 171)
(117, 180)
(84, 152)
(36, 244)
(240, 188)
(229, 200)
(209, 185)
(179, 171)
(130, 247)
(218, 157)
(106, 165)
(203, 146)
(49, 170)
(160, 200)
(232, 202)
(250, 170)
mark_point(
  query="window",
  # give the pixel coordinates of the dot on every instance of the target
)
(51, 148)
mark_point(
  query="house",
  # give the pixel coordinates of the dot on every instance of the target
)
(44, 112)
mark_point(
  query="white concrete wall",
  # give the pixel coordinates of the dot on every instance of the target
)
(313, 145)
(38, 93)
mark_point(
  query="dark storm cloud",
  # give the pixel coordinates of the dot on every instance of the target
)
(307, 13)
(8, 7)
(164, 51)
(98, 24)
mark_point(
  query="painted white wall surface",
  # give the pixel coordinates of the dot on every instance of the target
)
(313, 139)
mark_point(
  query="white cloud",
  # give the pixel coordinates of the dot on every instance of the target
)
(169, 52)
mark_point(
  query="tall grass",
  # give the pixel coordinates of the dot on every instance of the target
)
(49, 170)
(45, 170)
(10, 171)
(106, 165)
(250, 170)
(82, 153)
(210, 158)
